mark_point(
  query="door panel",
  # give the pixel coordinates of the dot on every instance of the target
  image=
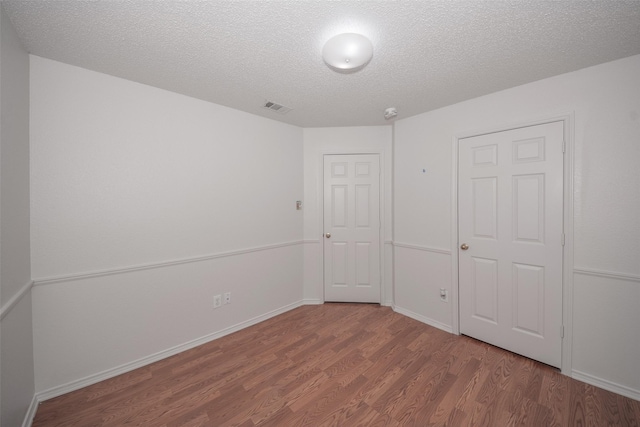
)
(363, 263)
(510, 200)
(485, 289)
(528, 208)
(528, 298)
(339, 206)
(484, 208)
(362, 206)
(352, 228)
(339, 263)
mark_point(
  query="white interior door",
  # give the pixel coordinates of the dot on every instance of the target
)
(352, 228)
(510, 209)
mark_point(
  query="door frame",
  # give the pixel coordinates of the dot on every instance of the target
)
(567, 258)
(381, 208)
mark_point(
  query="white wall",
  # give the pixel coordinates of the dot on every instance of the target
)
(16, 346)
(342, 140)
(145, 204)
(605, 101)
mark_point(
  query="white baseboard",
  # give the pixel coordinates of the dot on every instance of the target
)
(127, 367)
(312, 301)
(606, 384)
(31, 412)
(423, 319)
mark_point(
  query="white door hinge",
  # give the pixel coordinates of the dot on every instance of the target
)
(562, 332)
(562, 239)
(564, 145)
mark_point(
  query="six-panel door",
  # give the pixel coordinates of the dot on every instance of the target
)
(510, 210)
(352, 228)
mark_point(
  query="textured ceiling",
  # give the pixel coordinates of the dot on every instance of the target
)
(427, 54)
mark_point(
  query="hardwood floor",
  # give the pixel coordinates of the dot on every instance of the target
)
(341, 365)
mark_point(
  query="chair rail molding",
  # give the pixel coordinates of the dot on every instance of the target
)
(162, 264)
(421, 248)
(15, 299)
(607, 274)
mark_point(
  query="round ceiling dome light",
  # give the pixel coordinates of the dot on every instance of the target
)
(347, 52)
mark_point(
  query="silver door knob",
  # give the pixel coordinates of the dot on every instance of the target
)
(327, 235)
(464, 246)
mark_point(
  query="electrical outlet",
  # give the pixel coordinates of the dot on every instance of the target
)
(227, 297)
(444, 295)
(217, 301)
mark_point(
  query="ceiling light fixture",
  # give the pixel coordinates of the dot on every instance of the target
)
(347, 52)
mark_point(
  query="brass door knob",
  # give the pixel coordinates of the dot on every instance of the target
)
(327, 235)
(464, 246)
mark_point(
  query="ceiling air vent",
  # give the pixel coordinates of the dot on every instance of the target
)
(281, 109)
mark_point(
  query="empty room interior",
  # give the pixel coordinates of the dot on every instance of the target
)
(319, 213)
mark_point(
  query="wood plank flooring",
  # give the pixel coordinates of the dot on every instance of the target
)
(341, 365)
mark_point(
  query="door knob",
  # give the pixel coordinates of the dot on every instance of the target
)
(464, 246)
(327, 235)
